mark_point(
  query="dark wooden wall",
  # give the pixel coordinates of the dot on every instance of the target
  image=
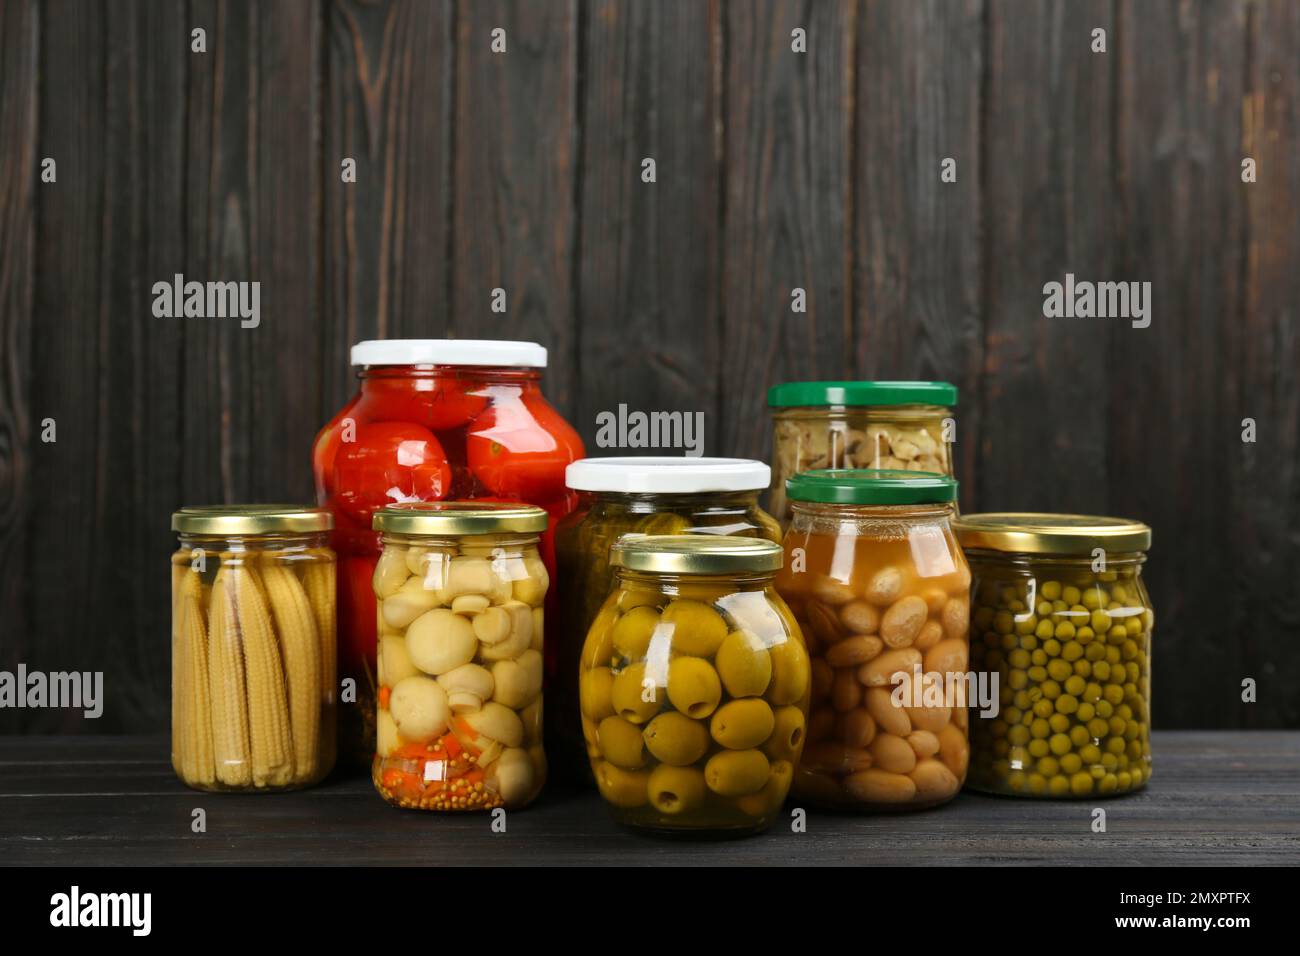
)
(776, 170)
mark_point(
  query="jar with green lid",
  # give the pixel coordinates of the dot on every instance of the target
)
(460, 588)
(878, 583)
(694, 686)
(1061, 615)
(906, 426)
(253, 667)
(618, 496)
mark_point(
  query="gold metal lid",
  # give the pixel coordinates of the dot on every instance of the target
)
(1032, 533)
(695, 554)
(251, 519)
(449, 518)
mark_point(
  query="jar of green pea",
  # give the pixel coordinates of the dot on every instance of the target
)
(1059, 613)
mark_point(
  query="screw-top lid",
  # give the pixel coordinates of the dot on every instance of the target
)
(482, 352)
(871, 486)
(1035, 533)
(239, 520)
(665, 475)
(695, 554)
(794, 394)
(452, 518)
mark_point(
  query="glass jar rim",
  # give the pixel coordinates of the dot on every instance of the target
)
(1043, 533)
(695, 554)
(251, 519)
(455, 518)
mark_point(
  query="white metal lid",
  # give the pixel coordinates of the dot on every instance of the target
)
(663, 475)
(486, 352)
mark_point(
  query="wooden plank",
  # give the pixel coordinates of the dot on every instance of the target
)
(1047, 209)
(1216, 798)
(917, 251)
(649, 252)
(111, 382)
(1173, 421)
(253, 394)
(787, 207)
(391, 75)
(19, 426)
(515, 155)
(1265, 504)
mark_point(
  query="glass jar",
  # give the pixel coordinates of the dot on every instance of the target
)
(1063, 618)
(877, 425)
(459, 589)
(253, 668)
(434, 419)
(878, 583)
(694, 685)
(617, 496)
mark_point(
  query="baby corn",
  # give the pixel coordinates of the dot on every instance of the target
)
(271, 742)
(228, 690)
(196, 740)
(300, 648)
(319, 580)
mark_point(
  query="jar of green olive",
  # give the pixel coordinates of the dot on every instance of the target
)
(1060, 614)
(632, 495)
(694, 685)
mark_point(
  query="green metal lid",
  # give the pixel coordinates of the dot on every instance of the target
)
(795, 394)
(871, 486)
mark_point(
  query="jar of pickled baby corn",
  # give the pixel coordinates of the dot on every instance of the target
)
(253, 668)
(459, 588)
(1062, 616)
(694, 686)
(643, 495)
(906, 426)
(878, 583)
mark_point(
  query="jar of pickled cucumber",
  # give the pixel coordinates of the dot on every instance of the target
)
(617, 496)
(875, 576)
(905, 426)
(253, 669)
(694, 686)
(1062, 616)
(459, 588)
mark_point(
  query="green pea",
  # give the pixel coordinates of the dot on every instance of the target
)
(1060, 744)
(1040, 728)
(1059, 723)
(1085, 712)
(1017, 679)
(1064, 631)
(1048, 766)
(1092, 598)
(1052, 647)
(1079, 736)
(1116, 745)
(1071, 763)
(1081, 784)
(1037, 674)
(1109, 784)
(1066, 704)
(1100, 620)
(1075, 685)
(1037, 783)
(1038, 748)
(1084, 635)
(1059, 785)
(1089, 753)
(1070, 594)
(1083, 668)
(1043, 707)
(1011, 715)
(1038, 657)
(1018, 658)
(1072, 651)
(1052, 690)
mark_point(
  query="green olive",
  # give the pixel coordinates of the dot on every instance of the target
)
(675, 739)
(693, 686)
(790, 672)
(621, 743)
(622, 788)
(769, 799)
(736, 773)
(595, 690)
(632, 632)
(675, 790)
(744, 665)
(742, 724)
(788, 732)
(698, 630)
(629, 695)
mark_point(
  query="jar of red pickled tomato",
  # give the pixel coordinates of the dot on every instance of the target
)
(434, 419)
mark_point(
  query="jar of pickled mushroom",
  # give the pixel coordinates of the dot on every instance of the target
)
(694, 686)
(459, 589)
(1063, 618)
(878, 583)
(433, 420)
(617, 496)
(905, 426)
(253, 673)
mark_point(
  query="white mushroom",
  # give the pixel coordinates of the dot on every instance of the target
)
(521, 633)
(493, 625)
(466, 576)
(467, 687)
(439, 641)
(513, 774)
(497, 722)
(518, 682)
(420, 709)
(385, 734)
(470, 604)
(390, 571)
(410, 601)
(394, 662)
(531, 587)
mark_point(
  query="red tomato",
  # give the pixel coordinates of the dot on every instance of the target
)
(323, 451)
(519, 447)
(437, 404)
(389, 462)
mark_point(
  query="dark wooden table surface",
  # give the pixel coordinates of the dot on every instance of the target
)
(1217, 798)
